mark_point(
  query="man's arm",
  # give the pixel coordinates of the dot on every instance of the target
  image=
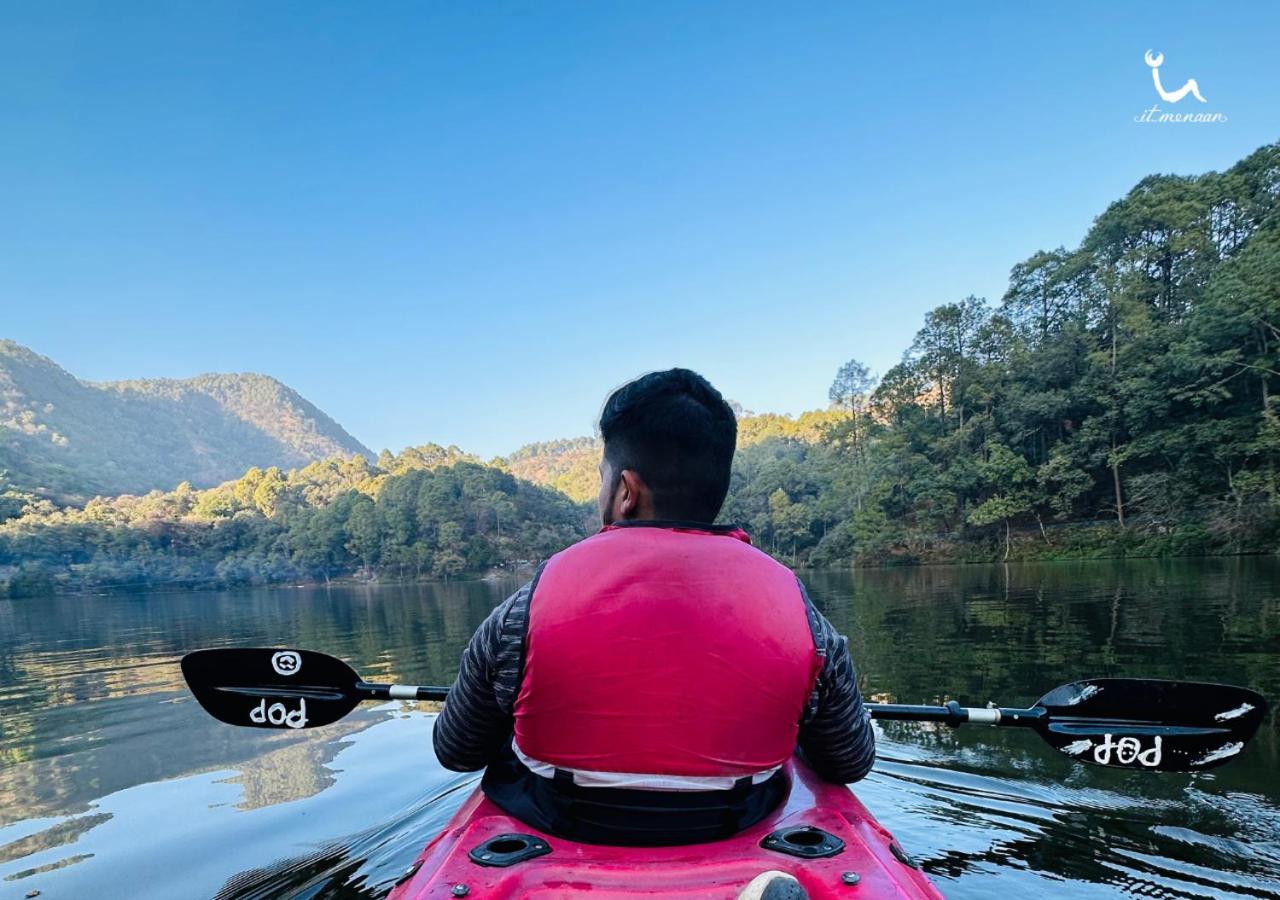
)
(477, 719)
(836, 738)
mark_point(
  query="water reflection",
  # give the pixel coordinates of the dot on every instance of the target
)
(111, 776)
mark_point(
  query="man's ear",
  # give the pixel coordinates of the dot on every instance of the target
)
(632, 495)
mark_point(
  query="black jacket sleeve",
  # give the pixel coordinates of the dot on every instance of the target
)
(836, 737)
(477, 720)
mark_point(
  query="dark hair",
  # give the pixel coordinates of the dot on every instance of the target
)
(676, 432)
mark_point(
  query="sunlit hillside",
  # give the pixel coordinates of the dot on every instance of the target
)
(66, 438)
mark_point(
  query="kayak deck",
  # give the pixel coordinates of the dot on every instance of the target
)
(554, 867)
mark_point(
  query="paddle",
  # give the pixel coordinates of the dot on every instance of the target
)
(1127, 723)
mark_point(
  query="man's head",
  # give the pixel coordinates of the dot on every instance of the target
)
(668, 446)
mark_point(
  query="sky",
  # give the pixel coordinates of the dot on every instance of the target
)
(465, 223)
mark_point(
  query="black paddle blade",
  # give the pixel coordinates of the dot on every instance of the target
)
(271, 688)
(1164, 726)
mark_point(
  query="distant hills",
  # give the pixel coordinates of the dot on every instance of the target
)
(69, 440)
(569, 466)
(66, 438)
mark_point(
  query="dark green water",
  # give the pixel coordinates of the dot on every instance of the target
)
(113, 783)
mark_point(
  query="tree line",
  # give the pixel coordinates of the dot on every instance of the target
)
(1124, 385)
(429, 512)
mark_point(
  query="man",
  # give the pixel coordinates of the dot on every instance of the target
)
(648, 684)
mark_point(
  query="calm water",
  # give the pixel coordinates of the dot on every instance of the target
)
(113, 783)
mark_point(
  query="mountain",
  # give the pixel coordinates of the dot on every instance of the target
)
(67, 438)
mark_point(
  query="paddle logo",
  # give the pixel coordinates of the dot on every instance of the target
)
(286, 662)
(1190, 88)
(278, 714)
(1128, 750)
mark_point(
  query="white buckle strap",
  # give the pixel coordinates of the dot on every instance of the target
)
(640, 781)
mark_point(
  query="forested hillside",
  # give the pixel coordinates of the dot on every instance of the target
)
(1117, 400)
(64, 438)
(422, 513)
(570, 466)
(1125, 385)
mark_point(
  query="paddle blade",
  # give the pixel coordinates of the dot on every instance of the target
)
(270, 687)
(1166, 726)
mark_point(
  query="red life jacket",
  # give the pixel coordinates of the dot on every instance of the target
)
(669, 651)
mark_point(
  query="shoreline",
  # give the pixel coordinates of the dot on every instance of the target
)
(62, 587)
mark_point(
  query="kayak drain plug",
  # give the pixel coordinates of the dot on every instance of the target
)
(806, 842)
(460, 890)
(505, 850)
(850, 877)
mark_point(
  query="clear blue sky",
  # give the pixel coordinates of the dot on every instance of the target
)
(465, 222)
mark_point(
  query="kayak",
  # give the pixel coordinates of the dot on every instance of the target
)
(821, 836)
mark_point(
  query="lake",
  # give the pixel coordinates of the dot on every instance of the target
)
(114, 783)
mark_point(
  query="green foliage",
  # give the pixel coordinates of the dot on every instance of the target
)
(1118, 401)
(569, 466)
(330, 519)
(30, 580)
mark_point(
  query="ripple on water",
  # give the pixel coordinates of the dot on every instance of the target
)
(993, 834)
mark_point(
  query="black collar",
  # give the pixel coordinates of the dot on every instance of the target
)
(675, 523)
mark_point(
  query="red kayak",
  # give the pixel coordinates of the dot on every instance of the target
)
(822, 836)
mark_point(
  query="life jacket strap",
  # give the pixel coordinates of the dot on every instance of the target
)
(567, 778)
